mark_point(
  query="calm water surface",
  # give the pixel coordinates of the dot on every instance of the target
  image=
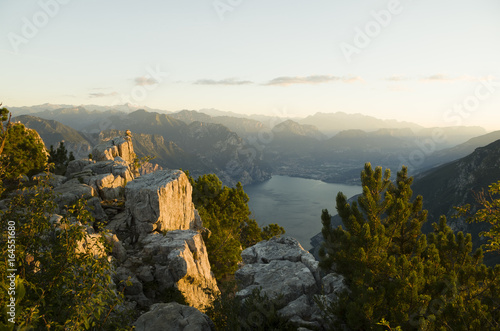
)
(295, 204)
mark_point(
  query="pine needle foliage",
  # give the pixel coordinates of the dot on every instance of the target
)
(397, 274)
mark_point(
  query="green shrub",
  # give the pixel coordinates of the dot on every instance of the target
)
(66, 284)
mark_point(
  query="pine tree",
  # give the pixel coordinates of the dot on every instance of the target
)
(226, 214)
(60, 158)
(397, 274)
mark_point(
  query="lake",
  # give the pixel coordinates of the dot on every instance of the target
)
(295, 204)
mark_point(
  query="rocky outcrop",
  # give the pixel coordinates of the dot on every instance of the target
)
(290, 277)
(118, 146)
(155, 235)
(69, 192)
(174, 317)
(166, 252)
(52, 180)
(107, 178)
(164, 264)
(161, 201)
(76, 166)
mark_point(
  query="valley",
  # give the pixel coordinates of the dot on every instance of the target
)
(260, 151)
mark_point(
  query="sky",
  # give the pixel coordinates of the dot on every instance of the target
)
(435, 63)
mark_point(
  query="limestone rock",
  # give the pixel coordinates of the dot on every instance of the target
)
(175, 261)
(118, 251)
(148, 168)
(282, 248)
(333, 284)
(76, 166)
(108, 186)
(94, 205)
(173, 317)
(68, 193)
(134, 289)
(161, 201)
(290, 277)
(277, 278)
(53, 180)
(117, 167)
(119, 146)
(299, 307)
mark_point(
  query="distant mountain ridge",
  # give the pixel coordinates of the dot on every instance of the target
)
(244, 127)
(200, 147)
(275, 145)
(455, 184)
(127, 108)
(450, 154)
(53, 132)
(332, 123)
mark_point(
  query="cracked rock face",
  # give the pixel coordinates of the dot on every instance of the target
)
(161, 201)
(277, 278)
(290, 277)
(177, 260)
(118, 146)
(174, 317)
(277, 266)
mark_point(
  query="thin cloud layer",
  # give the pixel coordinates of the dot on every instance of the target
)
(228, 81)
(145, 80)
(312, 80)
(448, 78)
(102, 95)
(397, 78)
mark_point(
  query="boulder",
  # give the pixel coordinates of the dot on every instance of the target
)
(108, 186)
(68, 193)
(278, 278)
(290, 277)
(118, 251)
(52, 180)
(76, 166)
(282, 248)
(176, 261)
(173, 317)
(116, 167)
(94, 205)
(118, 146)
(133, 288)
(161, 201)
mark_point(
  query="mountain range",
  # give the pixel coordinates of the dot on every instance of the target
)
(448, 173)
(330, 147)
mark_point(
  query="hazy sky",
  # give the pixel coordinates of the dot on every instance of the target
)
(430, 62)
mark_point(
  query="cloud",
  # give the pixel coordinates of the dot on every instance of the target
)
(145, 80)
(397, 78)
(312, 80)
(447, 78)
(102, 95)
(227, 81)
